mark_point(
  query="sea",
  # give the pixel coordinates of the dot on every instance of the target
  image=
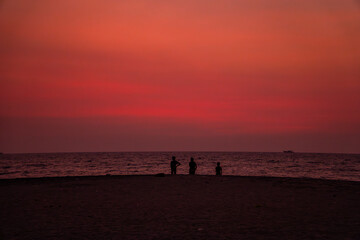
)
(274, 164)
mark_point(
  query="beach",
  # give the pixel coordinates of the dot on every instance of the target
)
(179, 207)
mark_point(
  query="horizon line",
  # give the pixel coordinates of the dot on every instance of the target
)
(180, 151)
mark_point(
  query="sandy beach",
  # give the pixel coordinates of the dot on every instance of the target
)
(179, 207)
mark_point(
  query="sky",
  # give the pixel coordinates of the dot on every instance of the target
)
(180, 75)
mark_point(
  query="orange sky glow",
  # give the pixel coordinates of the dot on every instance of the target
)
(203, 75)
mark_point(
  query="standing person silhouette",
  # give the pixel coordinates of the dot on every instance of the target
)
(218, 169)
(174, 164)
(192, 166)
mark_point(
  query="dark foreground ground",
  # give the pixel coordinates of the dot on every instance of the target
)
(179, 207)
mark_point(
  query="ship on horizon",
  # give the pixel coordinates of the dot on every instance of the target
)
(288, 151)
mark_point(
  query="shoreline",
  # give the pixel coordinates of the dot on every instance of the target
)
(54, 178)
(170, 152)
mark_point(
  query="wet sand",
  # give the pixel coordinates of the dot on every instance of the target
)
(179, 207)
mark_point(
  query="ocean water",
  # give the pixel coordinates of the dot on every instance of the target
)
(311, 165)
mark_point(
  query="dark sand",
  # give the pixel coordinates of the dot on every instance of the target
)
(179, 207)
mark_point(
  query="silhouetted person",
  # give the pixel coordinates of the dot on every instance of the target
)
(192, 166)
(174, 164)
(218, 169)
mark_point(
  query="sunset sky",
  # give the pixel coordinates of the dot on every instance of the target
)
(180, 75)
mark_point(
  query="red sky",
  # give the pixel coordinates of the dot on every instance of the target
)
(250, 75)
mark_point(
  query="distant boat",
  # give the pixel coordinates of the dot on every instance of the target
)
(288, 151)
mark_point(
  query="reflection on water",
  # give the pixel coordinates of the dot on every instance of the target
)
(329, 166)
